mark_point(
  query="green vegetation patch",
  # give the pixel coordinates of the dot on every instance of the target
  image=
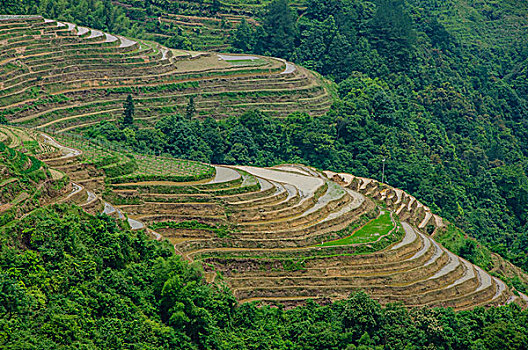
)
(187, 170)
(468, 248)
(371, 232)
(221, 230)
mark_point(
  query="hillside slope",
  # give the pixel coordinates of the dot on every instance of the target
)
(27, 183)
(288, 233)
(72, 280)
(438, 88)
(60, 76)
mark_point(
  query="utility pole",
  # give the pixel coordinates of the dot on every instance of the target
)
(383, 171)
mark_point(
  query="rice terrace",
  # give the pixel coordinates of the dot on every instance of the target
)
(188, 165)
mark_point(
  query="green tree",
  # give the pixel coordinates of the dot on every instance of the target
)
(244, 37)
(325, 49)
(279, 29)
(392, 33)
(178, 41)
(215, 6)
(468, 250)
(182, 138)
(210, 133)
(109, 15)
(190, 110)
(505, 335)
(11, 7)
(128, 113)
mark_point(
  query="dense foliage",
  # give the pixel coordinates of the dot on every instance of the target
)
(70, 280)
(74, 281)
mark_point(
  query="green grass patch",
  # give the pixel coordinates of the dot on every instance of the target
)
(373, 230)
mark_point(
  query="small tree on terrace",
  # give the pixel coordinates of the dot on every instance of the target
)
(244, 37)
(190, 111)
(128, 113)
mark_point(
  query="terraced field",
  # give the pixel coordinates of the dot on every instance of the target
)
(274, 235)
(206, 28)
(290, 233)
(26, 183)
(63, 77)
